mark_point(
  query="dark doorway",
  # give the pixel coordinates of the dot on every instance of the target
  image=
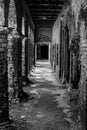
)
(44, 52)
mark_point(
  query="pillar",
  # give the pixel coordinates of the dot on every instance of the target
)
(13, 66)
(26, 42)
(19, 42)
(61, 46)
(63, 57)
(35, 53)
(23, 57)
(4, 109)
(19, 14)
(26, 60)
(55, 57)
(49, 52)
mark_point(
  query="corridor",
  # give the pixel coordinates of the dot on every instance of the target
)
(46, 105)
(43, 64)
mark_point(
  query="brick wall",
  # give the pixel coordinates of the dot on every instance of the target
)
(76, 20)
(23, 56)
(43, 35)
(80, 11)
(12, 53)
(83, 79)
(13, 66)
(1, 13)
(3, 76)
(83, 54)
(4, 112)
(30, 55)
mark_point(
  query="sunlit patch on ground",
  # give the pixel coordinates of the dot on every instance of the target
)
(48, 107)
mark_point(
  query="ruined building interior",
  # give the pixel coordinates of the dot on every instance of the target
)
(43, 64)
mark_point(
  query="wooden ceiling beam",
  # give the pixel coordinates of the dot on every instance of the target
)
(46, 2)
(49, 25)
(45, 6)
(48, 20)
(48, 16)
(42, 17)
(45, 10)
(44, 13)
(44, 24)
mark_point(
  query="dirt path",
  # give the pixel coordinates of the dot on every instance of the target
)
(48, 108)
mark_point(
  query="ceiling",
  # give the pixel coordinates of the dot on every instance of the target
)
(44, 12)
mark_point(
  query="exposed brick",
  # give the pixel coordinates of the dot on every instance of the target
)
(30, 55)
(13, 66)
(77, 23)
(23, 56)
(3, 77)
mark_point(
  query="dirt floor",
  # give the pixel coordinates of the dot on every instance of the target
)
(47, 106)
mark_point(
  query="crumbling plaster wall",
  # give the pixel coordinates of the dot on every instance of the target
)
(79, 8)
(77, 23)
(56, 37)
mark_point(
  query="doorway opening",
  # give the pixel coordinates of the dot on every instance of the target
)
(43, 52)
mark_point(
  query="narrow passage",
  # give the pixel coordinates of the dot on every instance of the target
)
(48, 107)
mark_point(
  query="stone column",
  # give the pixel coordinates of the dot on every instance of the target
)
(23, 57)
(30, 54)
(35, 54)
(63, 57)
(19, 61)
(13, 66)
(49, 52)
(26, 60)
(55, 57)
(4, 110)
